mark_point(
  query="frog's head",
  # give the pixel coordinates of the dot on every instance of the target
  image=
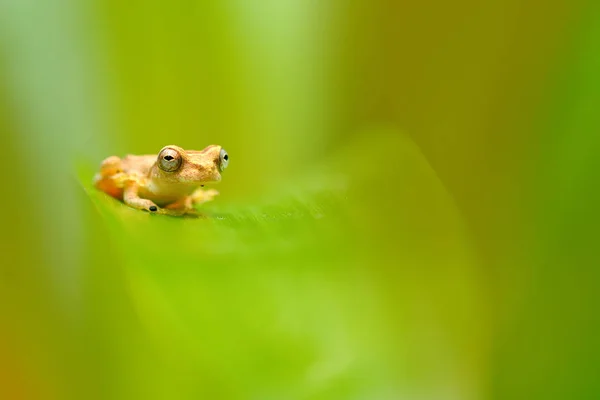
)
(176, 165)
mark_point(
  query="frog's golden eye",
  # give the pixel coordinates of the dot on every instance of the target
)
(223, 159)
(169, 160)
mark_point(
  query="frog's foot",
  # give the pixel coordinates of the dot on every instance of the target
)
(202, 196)
(131, 198)
(179, 208)
(143, 204)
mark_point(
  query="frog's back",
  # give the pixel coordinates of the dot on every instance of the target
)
(114, 171)
(132, 164)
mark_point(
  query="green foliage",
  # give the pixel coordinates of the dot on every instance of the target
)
(410, 210)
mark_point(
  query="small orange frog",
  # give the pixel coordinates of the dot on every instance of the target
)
(168, 184)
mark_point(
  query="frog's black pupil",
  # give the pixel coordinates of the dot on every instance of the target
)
(168, 158)
(226, 157)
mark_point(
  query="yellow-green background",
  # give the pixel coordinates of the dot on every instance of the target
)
(410, 210)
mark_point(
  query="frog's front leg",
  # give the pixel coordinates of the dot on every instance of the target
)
(132, 198)
(202, 196)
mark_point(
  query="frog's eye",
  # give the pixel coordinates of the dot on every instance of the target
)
(169, 160)
(223, 159)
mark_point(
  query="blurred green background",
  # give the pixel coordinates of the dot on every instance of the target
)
(410, 211)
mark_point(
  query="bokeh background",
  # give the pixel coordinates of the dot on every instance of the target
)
(410, 210)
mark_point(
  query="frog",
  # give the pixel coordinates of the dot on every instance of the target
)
(170, 183)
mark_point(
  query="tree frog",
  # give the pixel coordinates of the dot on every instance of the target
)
(170, 183)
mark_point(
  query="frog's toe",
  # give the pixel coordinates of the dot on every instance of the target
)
(202, 196)
(210, 193)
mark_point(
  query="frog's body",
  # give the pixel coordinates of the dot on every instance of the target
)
(173, 180)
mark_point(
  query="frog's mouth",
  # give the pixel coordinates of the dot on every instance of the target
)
(216, 178)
